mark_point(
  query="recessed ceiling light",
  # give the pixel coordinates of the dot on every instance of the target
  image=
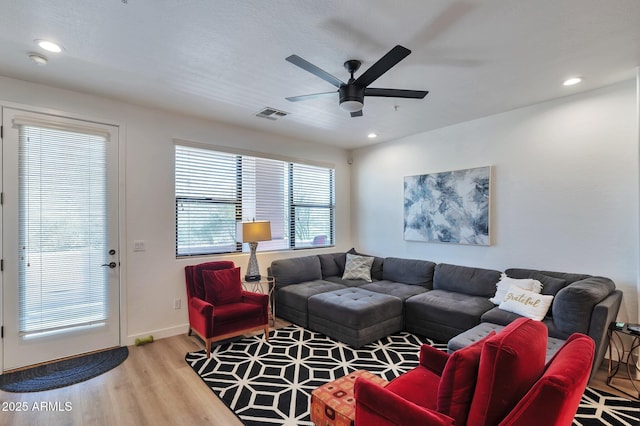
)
(571, 81)
(372, 135)
(38, 59)
(49, 46)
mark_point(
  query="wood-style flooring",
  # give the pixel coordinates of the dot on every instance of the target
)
(154, 386)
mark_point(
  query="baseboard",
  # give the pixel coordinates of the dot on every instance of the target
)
(159, 334)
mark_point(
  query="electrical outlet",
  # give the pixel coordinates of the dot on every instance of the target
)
(177, 303)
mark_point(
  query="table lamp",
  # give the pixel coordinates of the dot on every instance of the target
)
(252, 232)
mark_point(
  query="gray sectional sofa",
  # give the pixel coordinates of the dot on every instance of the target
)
(439, 301)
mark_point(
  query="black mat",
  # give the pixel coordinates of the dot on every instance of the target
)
(270, 383)
(63, 373)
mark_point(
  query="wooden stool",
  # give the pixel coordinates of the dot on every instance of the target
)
(333, 404)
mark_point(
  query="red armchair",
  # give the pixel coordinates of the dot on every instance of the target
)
(218, 306)
(500, 380)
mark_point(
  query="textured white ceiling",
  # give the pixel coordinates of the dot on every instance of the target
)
(225, 60)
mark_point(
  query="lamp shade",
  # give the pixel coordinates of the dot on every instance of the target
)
(259, 230)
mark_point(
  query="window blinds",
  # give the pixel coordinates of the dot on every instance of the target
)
(62, 222)
(216, 190)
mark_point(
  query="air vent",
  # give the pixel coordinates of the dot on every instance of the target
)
(271, 113)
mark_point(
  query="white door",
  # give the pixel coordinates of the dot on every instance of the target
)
(61, 274)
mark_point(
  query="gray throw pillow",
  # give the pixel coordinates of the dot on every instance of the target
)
(357, 268)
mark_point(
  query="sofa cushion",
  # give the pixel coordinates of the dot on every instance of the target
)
(550, 285)
(458, 381)
(332, 264)
(526, 303)
(222, 286)
(297, 294)
(357, 268)
(510, 363)
(409, 271)
(455, 310)
(465, 280)
(346, 283)
(399, 290)
(573, 305)
(296, 270)
(528, 273)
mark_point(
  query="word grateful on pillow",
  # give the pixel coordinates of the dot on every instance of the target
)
(505, 282)
(357, 267)
(222, 286)
(526, 303)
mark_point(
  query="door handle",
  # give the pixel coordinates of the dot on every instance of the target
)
(110, 264)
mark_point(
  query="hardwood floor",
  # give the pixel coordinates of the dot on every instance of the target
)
(154, 386)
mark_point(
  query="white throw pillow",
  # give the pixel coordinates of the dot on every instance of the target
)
(357, 267)
(505, 282)
(526, 303)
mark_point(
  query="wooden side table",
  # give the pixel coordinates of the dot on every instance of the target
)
(628, 357)
(258, 287)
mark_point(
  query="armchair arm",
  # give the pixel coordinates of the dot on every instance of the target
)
(201, 307)
(257, 298)
(433, 359)
(378, 406)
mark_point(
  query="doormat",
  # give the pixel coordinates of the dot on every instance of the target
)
(63, 373)
(270, 383)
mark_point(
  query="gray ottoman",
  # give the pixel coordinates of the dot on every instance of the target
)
(355, 316)
(479, 331)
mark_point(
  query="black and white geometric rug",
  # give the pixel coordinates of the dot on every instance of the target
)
(271, 382)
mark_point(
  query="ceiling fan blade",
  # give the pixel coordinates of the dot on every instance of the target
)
(383, 65)
(318, 72)
(356, 114)
(395, 93)
(311, 96)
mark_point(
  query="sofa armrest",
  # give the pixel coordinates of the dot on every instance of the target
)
(433, 359)
(604, 313)
(376, 405)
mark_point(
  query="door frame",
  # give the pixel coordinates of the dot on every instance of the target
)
(122, 242)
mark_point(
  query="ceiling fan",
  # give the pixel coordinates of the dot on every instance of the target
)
(353, 92)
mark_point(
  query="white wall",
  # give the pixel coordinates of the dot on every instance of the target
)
(154, 278)
(564, 188)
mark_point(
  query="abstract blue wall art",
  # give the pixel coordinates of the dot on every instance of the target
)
(448, 207)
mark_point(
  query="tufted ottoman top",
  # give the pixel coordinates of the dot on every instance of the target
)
(354, 307)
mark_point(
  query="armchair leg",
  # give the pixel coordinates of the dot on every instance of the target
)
(208, 345)
(266, 333)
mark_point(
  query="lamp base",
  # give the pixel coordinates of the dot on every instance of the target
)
(252, 278)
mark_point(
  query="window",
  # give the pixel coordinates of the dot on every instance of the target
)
(216, 190)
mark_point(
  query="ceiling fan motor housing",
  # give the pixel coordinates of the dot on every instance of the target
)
(351, 92)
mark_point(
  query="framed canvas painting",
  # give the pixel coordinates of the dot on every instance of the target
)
(448, 207)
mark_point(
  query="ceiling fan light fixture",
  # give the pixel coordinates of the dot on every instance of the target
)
(351, 106)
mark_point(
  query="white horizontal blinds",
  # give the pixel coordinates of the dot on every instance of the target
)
(214, 190)
(208, 200)
(264, 198)
(62, 228)
(312, 205)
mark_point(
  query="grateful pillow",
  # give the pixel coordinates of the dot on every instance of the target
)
(222, 286)
(505, 282)
(357, 268)
(526, 303)
(458, 381)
